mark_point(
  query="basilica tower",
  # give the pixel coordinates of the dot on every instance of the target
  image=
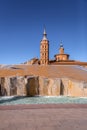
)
(44, 49)
(61, 56)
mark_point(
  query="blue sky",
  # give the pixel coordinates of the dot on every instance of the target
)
(22, 23)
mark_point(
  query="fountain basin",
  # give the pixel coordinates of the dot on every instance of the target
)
(13, 100)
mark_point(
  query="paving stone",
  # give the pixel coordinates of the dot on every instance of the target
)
(44, 119)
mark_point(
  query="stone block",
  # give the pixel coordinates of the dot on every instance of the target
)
(49, 87)
(32, 86)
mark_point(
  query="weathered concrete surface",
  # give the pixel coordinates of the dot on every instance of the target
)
(44, 119)
(49, 87)
(74, 88)
(5, 86)
(34, 85)
(18, 83)
(12, 86)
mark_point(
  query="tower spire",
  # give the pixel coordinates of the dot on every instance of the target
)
(44, 34)
(61, 49)
(61, 44)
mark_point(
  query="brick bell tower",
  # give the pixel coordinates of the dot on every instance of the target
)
(44, 50)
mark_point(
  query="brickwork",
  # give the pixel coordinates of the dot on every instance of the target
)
(44, 50)
(61, 56)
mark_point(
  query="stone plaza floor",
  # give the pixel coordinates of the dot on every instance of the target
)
(44, 117)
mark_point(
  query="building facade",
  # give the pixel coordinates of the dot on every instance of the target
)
(61, 56)
(44, 51)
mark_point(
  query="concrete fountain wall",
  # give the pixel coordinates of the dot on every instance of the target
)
(34, 85)
(49, 87)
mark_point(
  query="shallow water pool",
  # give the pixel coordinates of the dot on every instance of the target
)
(41, 100)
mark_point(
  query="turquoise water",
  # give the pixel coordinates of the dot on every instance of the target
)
(41, 100)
